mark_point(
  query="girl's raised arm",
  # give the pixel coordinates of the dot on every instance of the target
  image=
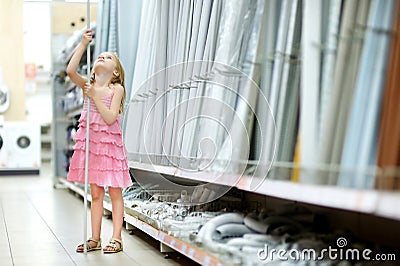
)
(72, 68)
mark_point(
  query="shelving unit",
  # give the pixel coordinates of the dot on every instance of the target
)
(65, 110)
(380, 203)
(60, 122)
(187, 249)
(191, 251)
(80, 191)
(357, 203)
(46, 142)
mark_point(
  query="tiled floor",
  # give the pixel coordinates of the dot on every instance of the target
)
(40, 225)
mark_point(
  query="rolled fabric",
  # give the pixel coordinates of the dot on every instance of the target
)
(231, 230)
(206, 231)
(255, 224)
(270, 223)
(276, 221)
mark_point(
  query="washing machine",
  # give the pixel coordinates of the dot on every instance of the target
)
(23, 144)
(3, 147)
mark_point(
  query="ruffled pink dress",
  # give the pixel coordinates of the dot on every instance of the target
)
(107, 154)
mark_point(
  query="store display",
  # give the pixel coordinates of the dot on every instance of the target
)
(129, 14)
(355, 14)
(329, 44)
(106, 38)
(361, 138)
(240, 238)
(284, 90)
(310, 87)
(180, 100)
(221, 92)
(73, 99)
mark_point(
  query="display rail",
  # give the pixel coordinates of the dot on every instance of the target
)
(194, 253)
(74, 111)
(107, 205)
(374, 202)
(187, 249)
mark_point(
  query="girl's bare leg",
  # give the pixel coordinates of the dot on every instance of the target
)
(96, 210)
(117, 211)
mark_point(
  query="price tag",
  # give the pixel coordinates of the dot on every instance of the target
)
(183, 248)
(206, 261)
(172, 243)
(191, 253)
(146, 230)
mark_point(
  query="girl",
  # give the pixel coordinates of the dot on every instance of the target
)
(107, 156)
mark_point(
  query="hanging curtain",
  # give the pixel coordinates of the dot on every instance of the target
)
(354, 17)
(320, 67)
(359, 153)
(173, 35)
(288, 92)
(101, 26)
(135, 112)
(276, 126)
(310, 86)
(129, 15)
(389, 132)
(263, 146)
(236, 146)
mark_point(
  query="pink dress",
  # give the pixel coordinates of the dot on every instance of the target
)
(107, 155)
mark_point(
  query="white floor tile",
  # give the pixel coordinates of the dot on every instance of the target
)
(40, 225)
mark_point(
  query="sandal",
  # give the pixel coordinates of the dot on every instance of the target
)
(112, 246)
(89, 247)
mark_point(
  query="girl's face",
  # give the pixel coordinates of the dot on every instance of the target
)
(106, 60)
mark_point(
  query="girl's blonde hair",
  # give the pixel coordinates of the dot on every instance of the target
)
(120, 79)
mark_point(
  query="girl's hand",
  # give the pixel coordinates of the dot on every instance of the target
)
(89, 91)
(87, 37)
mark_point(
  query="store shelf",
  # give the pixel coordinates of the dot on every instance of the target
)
(81, 192)
(46, 155)
(379, 203)
(187, 249)
(180, 246)
(74, 112)
(46, 138)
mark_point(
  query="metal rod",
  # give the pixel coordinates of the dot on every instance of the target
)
(87, 135)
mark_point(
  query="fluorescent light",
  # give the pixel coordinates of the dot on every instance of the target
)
(67, 1)
(80, 1)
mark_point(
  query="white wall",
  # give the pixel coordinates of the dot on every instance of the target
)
(37, 50)
(46, 27)
(37, 34)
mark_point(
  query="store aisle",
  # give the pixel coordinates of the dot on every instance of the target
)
(40, 225)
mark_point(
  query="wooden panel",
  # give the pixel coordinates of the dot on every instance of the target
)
(389, 136)
(12, 56)
(66, 14)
